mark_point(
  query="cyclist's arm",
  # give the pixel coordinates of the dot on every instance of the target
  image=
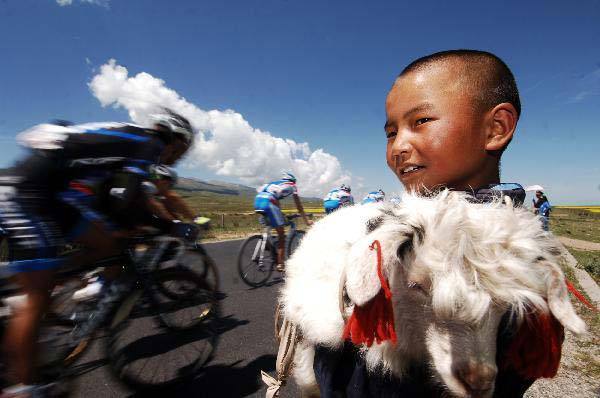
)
(301, 209)
(159, 210)
(176, 205)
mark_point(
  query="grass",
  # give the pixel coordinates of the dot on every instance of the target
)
(233, 215)
(576, 223)
(589, 261)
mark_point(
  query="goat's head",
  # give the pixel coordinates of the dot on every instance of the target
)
(455, 268)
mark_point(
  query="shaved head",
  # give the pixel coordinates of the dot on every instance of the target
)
(486, 77)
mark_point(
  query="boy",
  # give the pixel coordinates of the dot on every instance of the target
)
(450, 115)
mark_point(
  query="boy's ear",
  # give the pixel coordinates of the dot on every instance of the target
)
(501, 128)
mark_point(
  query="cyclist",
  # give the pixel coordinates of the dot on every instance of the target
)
(267, 204)
(338, 197)
(86, 184)
(169, 207)
(374, 197)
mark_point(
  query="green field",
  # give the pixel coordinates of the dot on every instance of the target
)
(233, 215)
(576, 222)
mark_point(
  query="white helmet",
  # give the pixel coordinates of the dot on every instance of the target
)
(177, 126)
(287, 176)
(346, 188)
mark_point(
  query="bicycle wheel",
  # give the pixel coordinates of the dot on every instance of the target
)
(295, 242)
(251, 271)
(201, 264)
(182, 299)
(144, 354)
(59, 347)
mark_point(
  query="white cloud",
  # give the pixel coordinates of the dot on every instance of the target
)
(226, 144)
(101, 3)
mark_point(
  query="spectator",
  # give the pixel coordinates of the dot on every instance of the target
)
(542, 207)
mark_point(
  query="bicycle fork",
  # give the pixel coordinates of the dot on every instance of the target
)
(261, 247)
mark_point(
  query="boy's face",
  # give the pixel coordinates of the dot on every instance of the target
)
(435, 134)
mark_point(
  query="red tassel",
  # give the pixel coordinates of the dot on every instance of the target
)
(579, 296)
(374, 321)
(535, 350)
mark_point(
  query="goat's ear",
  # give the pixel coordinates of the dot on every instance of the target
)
(559, 302)
(362, 281)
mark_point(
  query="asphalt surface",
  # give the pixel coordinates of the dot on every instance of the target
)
(246, 346)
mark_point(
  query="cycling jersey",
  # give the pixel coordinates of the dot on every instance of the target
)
(373, 197)
(337, 198)
(268, 197)
(279, 189)
(73, 175)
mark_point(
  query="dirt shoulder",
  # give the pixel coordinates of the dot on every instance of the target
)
(579, 244)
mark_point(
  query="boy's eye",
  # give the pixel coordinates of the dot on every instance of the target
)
(390, 134)
(422, 120)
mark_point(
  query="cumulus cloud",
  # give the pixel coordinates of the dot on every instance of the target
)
(226, 144)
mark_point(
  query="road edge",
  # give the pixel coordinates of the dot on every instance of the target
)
(587, 283)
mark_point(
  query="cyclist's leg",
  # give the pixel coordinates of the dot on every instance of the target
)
(33, 241)
(88, 225)
(280, 248)
(277, 221)
(21, 333)
(275, 217)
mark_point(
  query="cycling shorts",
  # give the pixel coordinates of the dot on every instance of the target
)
(331, 205)
(264, 204)
(32, 231)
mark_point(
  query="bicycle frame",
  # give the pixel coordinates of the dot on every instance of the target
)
(137, 265)
(267, 237)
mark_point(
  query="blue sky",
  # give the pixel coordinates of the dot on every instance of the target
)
(310, 71)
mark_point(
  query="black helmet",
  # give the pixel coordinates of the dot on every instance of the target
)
(177, 126)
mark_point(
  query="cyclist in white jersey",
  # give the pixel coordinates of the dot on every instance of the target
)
(374, 197)
(267, 204)
(338, 197)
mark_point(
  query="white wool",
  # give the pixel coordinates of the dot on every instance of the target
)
(476, 260)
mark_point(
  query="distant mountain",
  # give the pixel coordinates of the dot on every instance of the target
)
(220, 187)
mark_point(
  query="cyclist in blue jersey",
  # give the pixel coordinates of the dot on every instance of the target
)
(374, 197)
(267, 204)
(338, 197)
(87, 184)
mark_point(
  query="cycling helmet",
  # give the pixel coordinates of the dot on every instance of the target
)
(346, 188)
(287, 176)
(161, 172)
(176, 125)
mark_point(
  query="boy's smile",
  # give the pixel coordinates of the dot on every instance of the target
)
(436, 135)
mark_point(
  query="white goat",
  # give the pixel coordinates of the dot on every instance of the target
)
(454, 268)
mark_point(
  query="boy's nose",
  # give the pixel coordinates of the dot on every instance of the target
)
(401, 148)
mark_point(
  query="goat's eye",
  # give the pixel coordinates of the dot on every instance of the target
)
(405, 247)
(416, 286)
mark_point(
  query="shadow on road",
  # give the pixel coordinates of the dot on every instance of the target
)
(223, 380)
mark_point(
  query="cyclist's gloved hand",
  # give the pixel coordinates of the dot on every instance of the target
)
(184, 230)
(202, 222)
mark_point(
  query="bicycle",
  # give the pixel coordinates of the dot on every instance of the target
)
(149, 296)
(257, 257)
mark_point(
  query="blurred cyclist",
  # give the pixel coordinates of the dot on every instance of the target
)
(169, 207)
(267, 204)
(87, 184)
(338, 197)
(373, 197)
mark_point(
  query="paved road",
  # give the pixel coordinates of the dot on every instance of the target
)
(247, 344)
